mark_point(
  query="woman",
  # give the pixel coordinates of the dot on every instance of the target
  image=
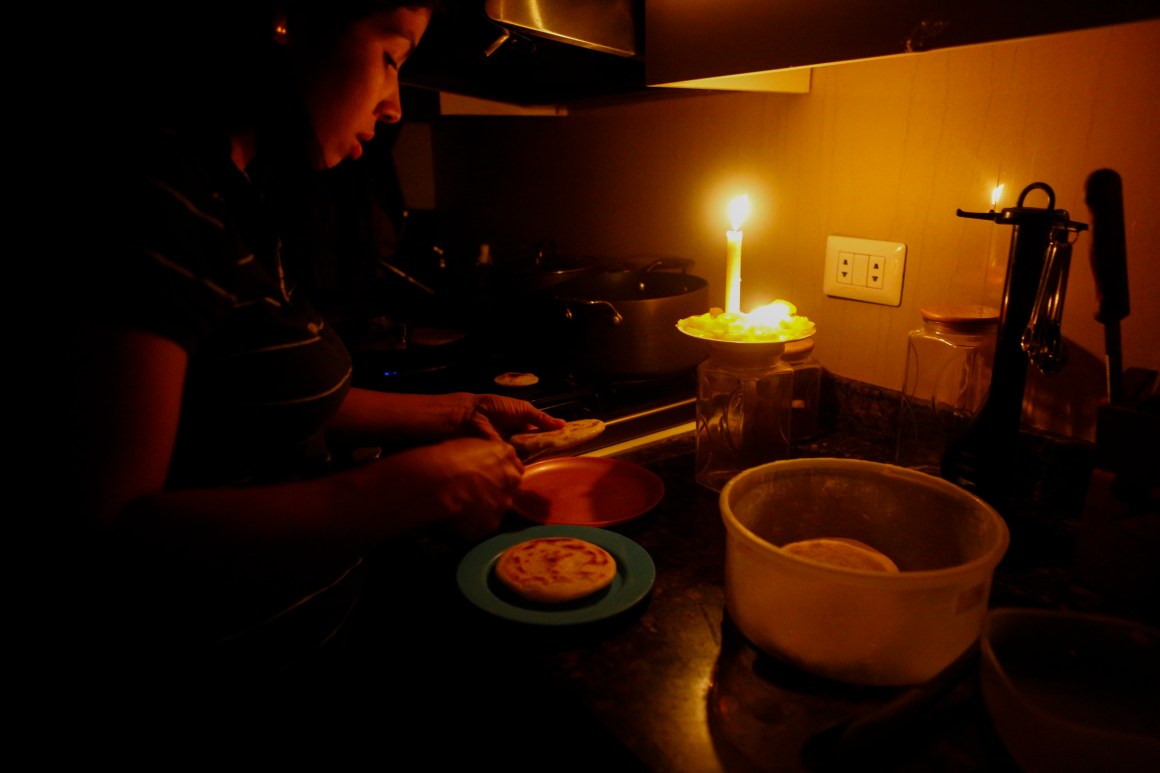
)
(214, 401)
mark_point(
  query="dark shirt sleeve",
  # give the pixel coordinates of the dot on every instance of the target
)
(167, 262)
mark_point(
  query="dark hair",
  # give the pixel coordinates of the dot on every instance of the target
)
(303, 203)
(213, 64)
(213, 68)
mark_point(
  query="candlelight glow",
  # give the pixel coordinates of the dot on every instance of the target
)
(995, 196)
(738, 211)
(772, 323)
(773, 314)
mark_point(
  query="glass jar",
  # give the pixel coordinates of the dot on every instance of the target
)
(948, 373)
(744, 394)
(807, 389)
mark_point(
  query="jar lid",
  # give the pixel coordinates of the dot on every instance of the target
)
(960, 313)
(798, 350)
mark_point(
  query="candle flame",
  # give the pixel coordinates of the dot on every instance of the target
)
(995, 196)
(738, 211)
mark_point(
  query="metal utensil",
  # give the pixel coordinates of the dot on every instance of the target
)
(1043, 339)
(1104, 198)
(984, 458)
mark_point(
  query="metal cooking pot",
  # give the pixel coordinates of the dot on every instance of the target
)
(623, 323)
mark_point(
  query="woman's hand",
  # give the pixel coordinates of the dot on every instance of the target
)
(498, 417)
(466, 483)
(407, 419)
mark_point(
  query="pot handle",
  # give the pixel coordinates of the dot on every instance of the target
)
(615, 319)
(667, 264)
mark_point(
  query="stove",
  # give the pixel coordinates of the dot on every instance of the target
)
(632, 408)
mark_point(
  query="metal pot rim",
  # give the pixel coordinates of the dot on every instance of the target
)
(603, 285)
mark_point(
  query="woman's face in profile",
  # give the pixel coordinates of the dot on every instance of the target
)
(355, 84)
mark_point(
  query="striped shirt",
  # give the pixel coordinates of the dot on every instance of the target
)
(186, 251)
(201, 266)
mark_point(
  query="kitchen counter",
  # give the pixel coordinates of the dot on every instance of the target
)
(672, 685)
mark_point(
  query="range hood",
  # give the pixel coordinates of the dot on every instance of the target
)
(530, 52)
(601, 25)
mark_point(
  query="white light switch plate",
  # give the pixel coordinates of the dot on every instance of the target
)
(864, 269)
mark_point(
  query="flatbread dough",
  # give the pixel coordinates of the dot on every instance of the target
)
(514, 379)
(555, 569)
(553, 440)
(839, 551)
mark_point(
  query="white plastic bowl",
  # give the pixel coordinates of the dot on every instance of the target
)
(858, 626)
(1071, 692)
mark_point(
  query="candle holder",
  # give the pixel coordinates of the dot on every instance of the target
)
(744, 406)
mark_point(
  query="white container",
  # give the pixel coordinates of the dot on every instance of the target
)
(851, 625)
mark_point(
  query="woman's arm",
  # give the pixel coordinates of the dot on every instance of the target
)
(126, 420)
(125, 410)
(467, 483)
(372, 416)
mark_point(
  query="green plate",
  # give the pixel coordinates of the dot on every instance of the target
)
(635, 575)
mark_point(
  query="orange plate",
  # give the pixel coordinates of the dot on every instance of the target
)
(586, 490)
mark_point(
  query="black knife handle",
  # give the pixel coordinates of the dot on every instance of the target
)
(1105, 198)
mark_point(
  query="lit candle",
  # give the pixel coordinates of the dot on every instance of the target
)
(738, 210)
(995, 196)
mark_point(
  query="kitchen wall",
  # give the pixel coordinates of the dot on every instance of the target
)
(882, 149)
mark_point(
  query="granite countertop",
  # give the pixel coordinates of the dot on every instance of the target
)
(672, 685)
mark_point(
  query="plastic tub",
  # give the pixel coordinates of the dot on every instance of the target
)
(857, 626)
(1071, 692)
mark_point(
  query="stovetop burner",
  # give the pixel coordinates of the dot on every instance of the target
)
(561, 391)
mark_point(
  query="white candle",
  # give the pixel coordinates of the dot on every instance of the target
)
(733, 271)
(738, 210)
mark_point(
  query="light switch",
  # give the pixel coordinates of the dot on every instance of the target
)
(864, 269)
